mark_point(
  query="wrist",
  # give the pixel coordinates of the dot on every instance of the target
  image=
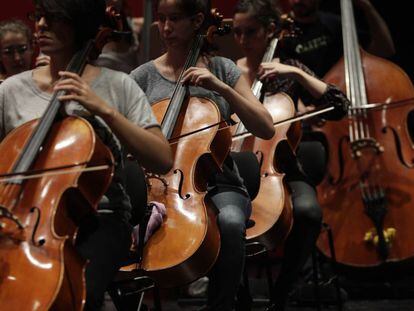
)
(223, 88)
(108, 114)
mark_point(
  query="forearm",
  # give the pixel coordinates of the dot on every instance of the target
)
(148, 145)
(251, 112)
(313, 85)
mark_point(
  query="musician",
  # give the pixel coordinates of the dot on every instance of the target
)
(15, 48)
(319, 43)
(116, 107)
(255, 23)
(217, 78)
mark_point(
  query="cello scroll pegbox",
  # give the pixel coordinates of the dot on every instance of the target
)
(288, 28)
(216, 25)
(112, 29)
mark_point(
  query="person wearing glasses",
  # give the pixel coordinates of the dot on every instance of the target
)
(15, 48)
(115, 107)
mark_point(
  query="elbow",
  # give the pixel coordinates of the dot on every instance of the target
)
(167, 166)
(264, 131)
(267, 129)
(268, 132)
(165, 163)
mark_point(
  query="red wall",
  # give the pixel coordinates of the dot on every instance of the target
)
(20, 8)
(15, 9)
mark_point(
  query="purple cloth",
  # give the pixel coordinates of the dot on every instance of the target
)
(156, 218)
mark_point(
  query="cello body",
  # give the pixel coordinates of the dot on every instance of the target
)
(366, 195)
(387, 158)
(272, 207)
(39, 267)
(186, 245)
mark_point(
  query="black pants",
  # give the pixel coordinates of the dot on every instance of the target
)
(104, 240)
(307, 217)
(234, 209)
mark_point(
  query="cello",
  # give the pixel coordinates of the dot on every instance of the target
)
(272, 207)
(186, 245)
(366, 195)
(54, 172)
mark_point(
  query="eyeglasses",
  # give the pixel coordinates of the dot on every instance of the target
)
(11, 50)
(173, 17)
(36, 16)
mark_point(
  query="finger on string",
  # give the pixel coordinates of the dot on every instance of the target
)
(69, 81)
(69, 88)
(69, 97)
(266, 75)
(70, 75)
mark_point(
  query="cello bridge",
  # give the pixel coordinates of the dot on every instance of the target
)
(366, 143)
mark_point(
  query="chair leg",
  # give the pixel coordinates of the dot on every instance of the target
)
(334, 265)
(315, 274)
(157, 299)
(269, 276)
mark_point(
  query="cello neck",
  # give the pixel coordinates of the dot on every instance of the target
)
(267, 57)
(354, 75)
(257, 85)
(180, 90)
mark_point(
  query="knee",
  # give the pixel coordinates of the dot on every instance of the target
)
(232, 224)
(308, 212)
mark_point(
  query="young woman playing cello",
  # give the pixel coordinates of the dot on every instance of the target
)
(255, 23)
(217, 78)
(117, 109)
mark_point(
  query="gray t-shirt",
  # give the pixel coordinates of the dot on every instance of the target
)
(157, 87)
(21, 100)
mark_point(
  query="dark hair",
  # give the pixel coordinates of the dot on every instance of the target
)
(85, 16)
(262, 10)
(193, 7)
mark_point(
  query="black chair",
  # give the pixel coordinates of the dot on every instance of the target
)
(129, 286)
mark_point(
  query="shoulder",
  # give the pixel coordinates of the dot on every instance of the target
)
(116, 78)
(225, 69)
(219, 61)
(143, 70)
(16, 81)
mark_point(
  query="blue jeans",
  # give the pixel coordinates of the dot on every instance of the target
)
(234, 210)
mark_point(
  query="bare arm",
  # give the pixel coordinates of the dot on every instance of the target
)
(148, 145)
(251, 112)
(313, 85)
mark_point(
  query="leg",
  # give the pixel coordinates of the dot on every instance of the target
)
(105, 246)
(227, 272)
(301, 241)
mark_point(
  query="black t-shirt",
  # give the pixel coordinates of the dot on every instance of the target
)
(317, 45)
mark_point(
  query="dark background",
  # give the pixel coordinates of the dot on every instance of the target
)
(397, 14)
